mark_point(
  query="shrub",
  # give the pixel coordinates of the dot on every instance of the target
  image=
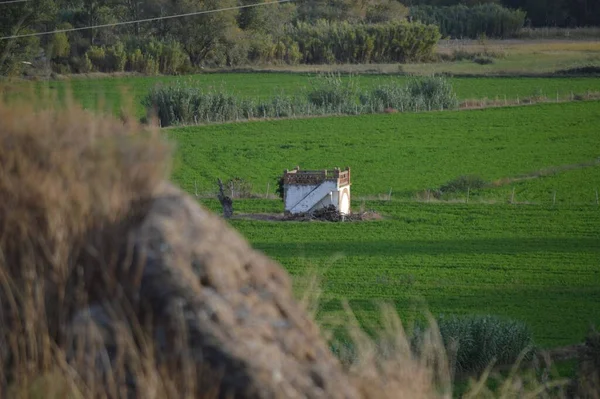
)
(143, 63)
(332, 93)
(96, 55)
(59, 44)
(152, 56)
(330, 42)
(474, 342)
(386, 96)
(239, 187)
(81, 64)
(587, 379)
(428, 93)
(462, 184)
(115, 58)
(432, 93)
(107, 59)
(182, 103)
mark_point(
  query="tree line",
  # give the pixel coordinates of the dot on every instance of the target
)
(540, 13)
(302, 31)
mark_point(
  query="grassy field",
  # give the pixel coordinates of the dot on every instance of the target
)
(404, 152)
(536, 262)
(92, 92)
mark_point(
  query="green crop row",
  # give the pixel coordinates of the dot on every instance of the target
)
(181, 104)
(94, 92)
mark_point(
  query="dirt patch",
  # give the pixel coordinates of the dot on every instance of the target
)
(544, 172)
(329, 214)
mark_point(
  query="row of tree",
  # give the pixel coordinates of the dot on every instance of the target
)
(491, 20)
(562, 13)
(271, 33)
(235, 36)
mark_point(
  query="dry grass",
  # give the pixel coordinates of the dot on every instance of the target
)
(65, 176)
(515, 46)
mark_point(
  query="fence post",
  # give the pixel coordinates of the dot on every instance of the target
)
(268, 189)
(597, 197)
(554, 198)
(390, 195)
(512, 197)
(468, 193)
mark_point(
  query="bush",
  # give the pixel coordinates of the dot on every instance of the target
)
(81, 64)
(96, 55)
(463, 183)
(474, 342)
(115, 58)
(333, 94)
(239, 187)
(342, 42)
(432, 93)
(153, 56)
(419, 94)
(386, 96)
(107, 59)
(185, 104)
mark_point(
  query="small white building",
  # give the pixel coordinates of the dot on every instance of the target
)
(309, 190)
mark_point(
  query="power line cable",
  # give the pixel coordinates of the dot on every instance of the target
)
(13, 1)
(189, 14)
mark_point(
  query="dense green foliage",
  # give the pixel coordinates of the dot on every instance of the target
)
(539, 12)
(273, 33)
(184, 104)
(304, 31)
(491, 20)
(473, 342)
(343, 42)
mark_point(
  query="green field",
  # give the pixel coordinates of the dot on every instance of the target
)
(261, 85)
(538, 262)
(404, 152)
(534, 264)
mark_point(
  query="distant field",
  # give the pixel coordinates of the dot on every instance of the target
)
(404, 152)
(537, 262)
(91, 92)
(579, 186)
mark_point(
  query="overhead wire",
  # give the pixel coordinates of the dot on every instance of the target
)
(189, 14)
(13, 1)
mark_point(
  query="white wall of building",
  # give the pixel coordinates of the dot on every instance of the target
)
(306, 198)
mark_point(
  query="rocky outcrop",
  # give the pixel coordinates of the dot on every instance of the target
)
(196, 278)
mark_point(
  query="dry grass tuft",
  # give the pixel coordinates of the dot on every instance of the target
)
(65, 174)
